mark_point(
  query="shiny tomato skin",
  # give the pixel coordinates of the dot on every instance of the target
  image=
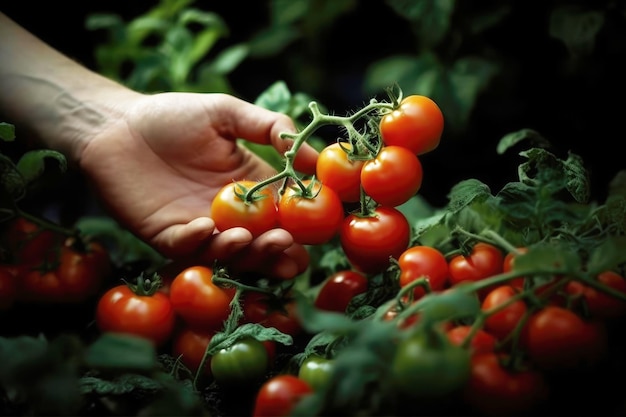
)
(190, 345)
(339, 289)
(423, 261)
(484, 261)
(598, 304)
(270, 312)
(228, 210)
(121, 310)
(369, 241)
(198, 301)
(494, 390)
(311, 221)
(417, 124)
(279, 395)
(245, 362)
(393, 176)
(557, 339)
(504, 321)
(335, 170)
(481, 342)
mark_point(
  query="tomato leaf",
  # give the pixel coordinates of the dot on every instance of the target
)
(7, 132)
(609, 255)
(33, 163)
(117, 352)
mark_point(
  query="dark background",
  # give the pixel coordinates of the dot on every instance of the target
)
(580, 112)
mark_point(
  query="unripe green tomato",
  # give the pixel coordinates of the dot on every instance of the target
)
(316, 371)
(245, 362)
(429, 366)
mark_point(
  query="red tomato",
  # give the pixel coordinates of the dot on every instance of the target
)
(557, 339)
(279, 395)
(393, 177)
(336, 170)
(30, 243)
(503, 321)
(190, 345)
(484, 261)
(79, 275)
(147, 314)
(508, 265)
(369, 241)
(337, 290)
(229, 209)
(417, 124)
(495, 390)
(311, 220)
(198, 301)
(599, 304)
(270, 311)
(481, 341)
(8, 288)
(423, 262)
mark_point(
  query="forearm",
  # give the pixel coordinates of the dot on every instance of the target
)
(50, 97)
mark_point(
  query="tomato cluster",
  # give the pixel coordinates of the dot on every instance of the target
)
(41, 265)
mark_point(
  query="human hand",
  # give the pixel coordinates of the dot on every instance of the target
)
(159, 166)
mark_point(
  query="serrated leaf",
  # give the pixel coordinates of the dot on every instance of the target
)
(465, 193)
(577, 178)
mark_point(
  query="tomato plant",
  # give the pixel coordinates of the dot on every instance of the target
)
(393, 176)
(598, 304)
(229, 208)
(317, 371)
(427, 365)
(137, 309)
(417, 124)
(335, 169)
(496, 389)
(502, 321)
(423, 262)
(198, 301)
(484, 261)
(279, 395)
(558, 339)
(271, 311)
(368, 241)
(338, 289)
(244, 362)
(190, 345)
(77, 273)
(481, 341)
(313, 217)
(508, 264)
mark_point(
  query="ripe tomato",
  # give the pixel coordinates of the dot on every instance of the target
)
(393, 177)
(423, 261)
(429, 366)
(484, 261)
(557, 339)
(336, 170)
(369, 241)
(504, 321)
(30, 243)
(338, 289)
(417, 124)
(229, 209)
(244, 362)
(138, 311)
(198, 301)
(269, 311)
(190, 345)
(496, 390)
(599, 304)
(8, 288)
(508, 264)
(79, 275)
(311, 220)
(279, 395)
(481, 342)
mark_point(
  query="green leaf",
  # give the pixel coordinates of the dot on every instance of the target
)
(430, 19)
(446, 305)
(229, 59)
(272, 40)
(121, 352)
(123, 384)
(7, 132)
(609, 255)
(577, 28)
(509, 140)
(32, 164)
(466, 192)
